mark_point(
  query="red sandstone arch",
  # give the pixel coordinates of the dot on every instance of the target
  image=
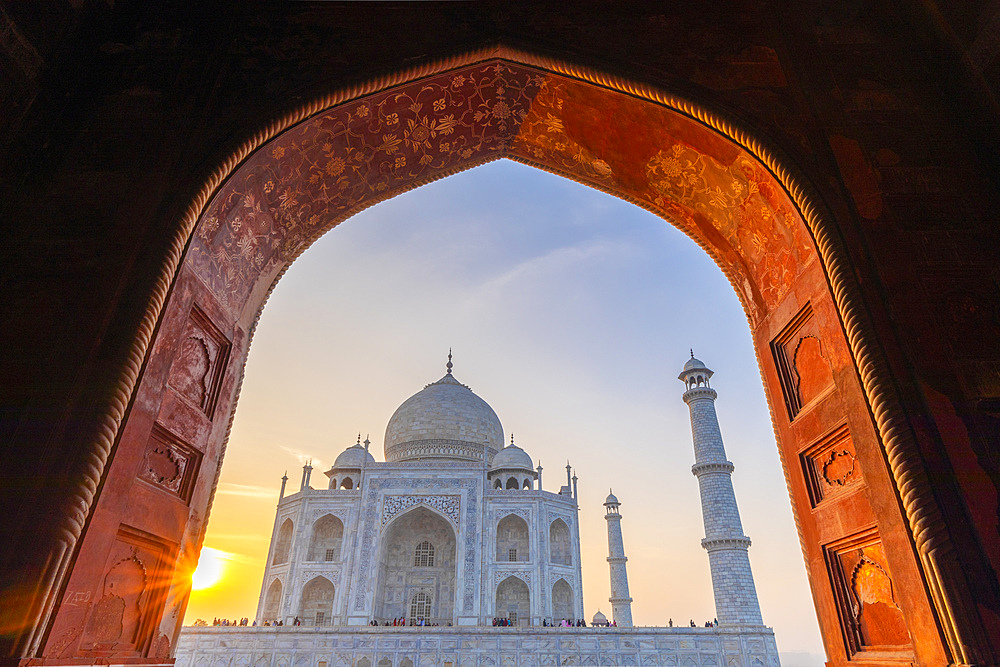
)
(726, 189)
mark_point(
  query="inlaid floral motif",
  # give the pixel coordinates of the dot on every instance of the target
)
(324, 169)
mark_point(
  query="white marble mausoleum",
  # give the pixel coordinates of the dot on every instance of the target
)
(453, 528)
(453, 531)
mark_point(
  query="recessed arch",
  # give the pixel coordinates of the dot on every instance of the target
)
(560, 544)
(316, 602)
(272, 602)
(417, 557)
(563, 606)
(513, 539)
(326, 539)
(513, 600)
(283, 545)
(762, 267)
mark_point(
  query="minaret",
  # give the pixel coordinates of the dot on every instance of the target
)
(621, 603)
(735, 594)
(306, 472)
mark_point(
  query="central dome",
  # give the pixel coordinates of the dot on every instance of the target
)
(444, 420)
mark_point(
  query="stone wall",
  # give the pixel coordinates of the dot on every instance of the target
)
(468, 647)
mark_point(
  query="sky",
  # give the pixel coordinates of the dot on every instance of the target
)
(571, 313)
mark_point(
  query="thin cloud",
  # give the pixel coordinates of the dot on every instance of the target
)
(249, 537)
(245, 490)
(219, 554)
(556, 261)
(300, 455)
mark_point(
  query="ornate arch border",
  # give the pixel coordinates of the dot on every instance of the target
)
(941, 568)
(384, 528)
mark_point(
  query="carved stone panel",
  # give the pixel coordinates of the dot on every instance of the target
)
(197, 370)
(169, 463)
(866, 596)
(124, 618)
(449, 505)
(802, 363)
(831, 465)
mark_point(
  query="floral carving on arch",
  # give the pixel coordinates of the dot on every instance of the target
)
(352, 155)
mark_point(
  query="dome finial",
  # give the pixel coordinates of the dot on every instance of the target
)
(511, 438)
(359, 438)
(692, 353)
(449, 361)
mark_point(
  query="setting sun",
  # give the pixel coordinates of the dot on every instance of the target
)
(210, 568)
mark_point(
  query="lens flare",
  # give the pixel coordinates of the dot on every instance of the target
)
(211, 567)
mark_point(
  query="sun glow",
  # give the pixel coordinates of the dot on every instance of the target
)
(211, 567)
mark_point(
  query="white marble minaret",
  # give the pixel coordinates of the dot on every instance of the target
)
(621, 603)
(735, 594)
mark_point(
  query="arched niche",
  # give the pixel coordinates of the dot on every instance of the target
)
(560, 543)
(513, 601)
(416, 556)
(283, 545)
(316, 602)
(272, 602)
(707, 174)
(326, 539)
(513, 540)
(562, 601)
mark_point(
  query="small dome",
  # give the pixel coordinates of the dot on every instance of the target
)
(444, 420)
(599, 618)
(695, 364)
(611, 500)
(512, 457)
(354, 456)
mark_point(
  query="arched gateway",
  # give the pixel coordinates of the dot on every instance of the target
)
(712, 179)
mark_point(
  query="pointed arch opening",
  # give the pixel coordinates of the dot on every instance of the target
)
(513, 601)
(327, 537)
(513, 541)
(760, 225)
(316, 605)
(417, 561)
(272, 603)
(563, 606)
(283, 545)
(560, 544)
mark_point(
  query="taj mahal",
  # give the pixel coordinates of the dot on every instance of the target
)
(418, 559)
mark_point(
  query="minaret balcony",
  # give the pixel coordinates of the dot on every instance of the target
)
(699, 392)
(719, 544)
(712, 466)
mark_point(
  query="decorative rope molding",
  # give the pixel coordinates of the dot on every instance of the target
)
(948, 586)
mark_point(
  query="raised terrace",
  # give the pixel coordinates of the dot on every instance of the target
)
(466, 647)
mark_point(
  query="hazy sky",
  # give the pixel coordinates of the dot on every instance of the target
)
(571, 313)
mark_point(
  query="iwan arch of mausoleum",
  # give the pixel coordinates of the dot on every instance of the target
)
(841, 434)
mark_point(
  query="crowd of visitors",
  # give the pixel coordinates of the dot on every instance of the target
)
(401, 622)
(566, 623)
(503, 623)
(420, 621)
(225, 622)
